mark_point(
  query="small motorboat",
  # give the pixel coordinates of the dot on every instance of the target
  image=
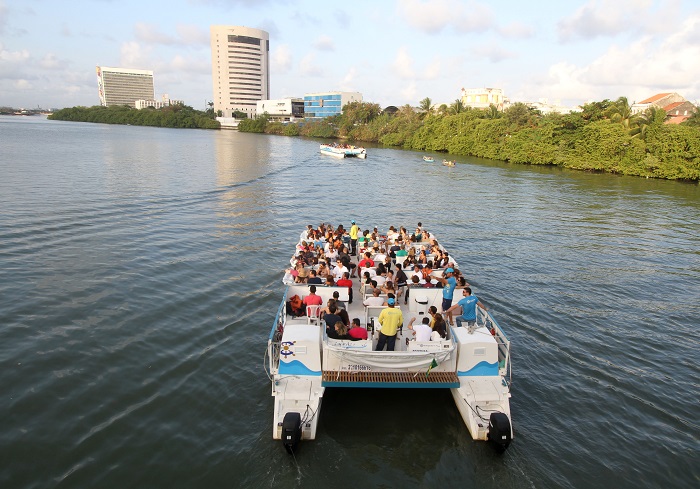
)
(448, 162)
(429, 159)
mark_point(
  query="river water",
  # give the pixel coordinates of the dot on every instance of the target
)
(140, 272)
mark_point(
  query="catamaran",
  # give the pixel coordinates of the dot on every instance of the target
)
(302, 361)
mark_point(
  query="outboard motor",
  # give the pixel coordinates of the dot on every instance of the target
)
(499, 431)
(291, 431)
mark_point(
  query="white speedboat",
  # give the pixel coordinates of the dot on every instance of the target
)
(303, 361)
(343, 151)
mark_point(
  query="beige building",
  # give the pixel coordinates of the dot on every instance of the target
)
(123, 86)
(240, 62)
(482, 98)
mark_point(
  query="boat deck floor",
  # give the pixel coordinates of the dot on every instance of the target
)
(432, 380)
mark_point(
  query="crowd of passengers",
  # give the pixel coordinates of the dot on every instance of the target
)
(334, 256)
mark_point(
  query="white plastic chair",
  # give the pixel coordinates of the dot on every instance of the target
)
(312, 315)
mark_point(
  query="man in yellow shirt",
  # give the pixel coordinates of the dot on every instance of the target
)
(354, 231)
(390, 319)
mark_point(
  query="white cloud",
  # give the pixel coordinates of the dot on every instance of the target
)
(601, 18)
(23, 85)
(403, 64)
(187, 35)
(324, 43)
(434, 16)
(409, 91)
(347, 83)
(637, 70)
(133, 55)
(309, 66)
(282, 59)
(12, 56)
(50, 61)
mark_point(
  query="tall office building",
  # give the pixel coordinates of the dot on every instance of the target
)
(240, 64)
(120, 86)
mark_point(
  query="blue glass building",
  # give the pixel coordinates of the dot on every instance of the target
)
(321, 105)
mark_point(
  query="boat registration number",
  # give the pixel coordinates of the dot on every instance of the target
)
(366, 368)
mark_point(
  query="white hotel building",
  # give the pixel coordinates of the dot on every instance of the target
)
(123, 86)
(240, 60)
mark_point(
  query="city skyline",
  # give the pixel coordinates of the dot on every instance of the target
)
(393, 53)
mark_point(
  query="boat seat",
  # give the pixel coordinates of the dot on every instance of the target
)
(312, 315)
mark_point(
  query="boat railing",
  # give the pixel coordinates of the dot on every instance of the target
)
(484, 318)
(274, 341)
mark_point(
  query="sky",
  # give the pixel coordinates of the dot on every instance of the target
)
(394, 52)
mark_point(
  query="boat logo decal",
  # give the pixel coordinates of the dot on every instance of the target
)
(286, 349)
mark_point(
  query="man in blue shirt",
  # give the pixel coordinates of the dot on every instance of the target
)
(449, 282)
(468, 304)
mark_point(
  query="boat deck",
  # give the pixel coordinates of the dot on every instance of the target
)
(432, 380)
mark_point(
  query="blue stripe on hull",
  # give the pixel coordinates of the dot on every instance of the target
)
(295, 367)
(481, 369)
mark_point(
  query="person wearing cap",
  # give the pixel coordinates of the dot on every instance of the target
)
(354, 231)
(449, 282)
(390, 319)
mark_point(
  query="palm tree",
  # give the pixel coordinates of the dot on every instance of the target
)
(426, 105)
(456, 107)
(621, 111)
(652, 117)
(492, 112)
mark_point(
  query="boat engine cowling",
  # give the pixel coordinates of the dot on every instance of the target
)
(291, 431)
(499, 431)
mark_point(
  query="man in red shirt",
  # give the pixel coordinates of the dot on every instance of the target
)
(367, 261)
(346, 282)
(357, 332)
(312, 299)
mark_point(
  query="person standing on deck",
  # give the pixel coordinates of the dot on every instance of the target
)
(390, 319)
(468, 305)
(449, 283)
(354, 231)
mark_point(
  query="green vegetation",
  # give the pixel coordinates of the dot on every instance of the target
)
(605, 136)
(181, 116)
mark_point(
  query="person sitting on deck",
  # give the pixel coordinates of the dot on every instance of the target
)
(312, 299)
(330, 282)
(339, 270)
(390, 319)
(388, 287)
(331, 317)
(339, 331)
(421, 331)
(401, 280)
(357, 332)
(468, 304)
(322, 270)
(344, 257)
(314, 278)
(375, 300)
(439, 328)
(367, 261)
(346, 282)
(338, 303)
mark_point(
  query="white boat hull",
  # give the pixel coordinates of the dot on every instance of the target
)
(303, 361)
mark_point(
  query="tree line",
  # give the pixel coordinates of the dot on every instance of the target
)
(604, 136)
(179, 116)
